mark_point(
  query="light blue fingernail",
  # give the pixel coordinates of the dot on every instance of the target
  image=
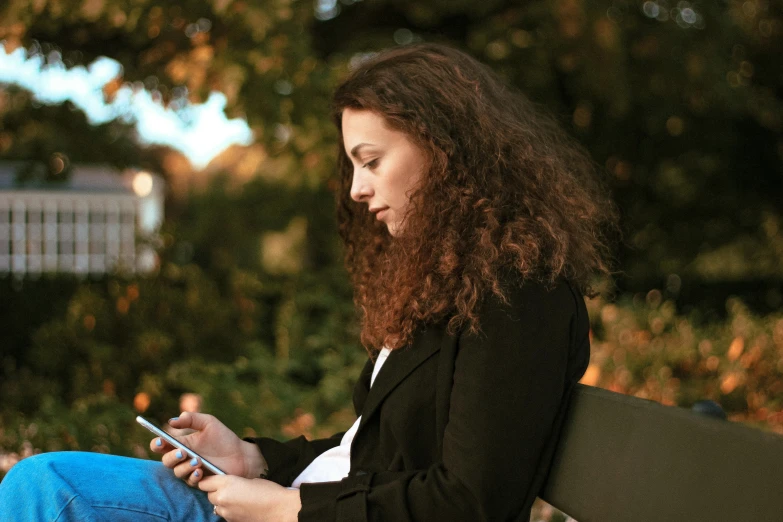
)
(195, 473)
(179, 454)
(173, 418)
(158, 443)
(194, 462)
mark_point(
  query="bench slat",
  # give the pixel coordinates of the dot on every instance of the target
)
(625, 459)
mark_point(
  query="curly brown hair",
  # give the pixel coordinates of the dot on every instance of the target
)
(504, 189)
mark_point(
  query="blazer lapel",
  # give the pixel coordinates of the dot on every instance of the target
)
(362, 387)
(398, 365)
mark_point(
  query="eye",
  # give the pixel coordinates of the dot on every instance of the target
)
(371, 164)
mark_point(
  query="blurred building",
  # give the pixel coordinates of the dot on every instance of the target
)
(96, 220)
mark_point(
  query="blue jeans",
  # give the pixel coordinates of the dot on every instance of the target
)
(78, 486)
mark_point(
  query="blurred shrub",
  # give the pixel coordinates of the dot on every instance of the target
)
(642, 347)
(280, 357)
(268, 357)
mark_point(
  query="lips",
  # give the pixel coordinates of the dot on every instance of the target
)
(379, 212)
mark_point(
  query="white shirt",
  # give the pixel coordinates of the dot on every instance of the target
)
(334, 464)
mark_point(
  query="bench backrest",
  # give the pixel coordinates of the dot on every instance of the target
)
(624, 459)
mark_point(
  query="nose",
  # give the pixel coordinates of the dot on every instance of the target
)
(361, 189)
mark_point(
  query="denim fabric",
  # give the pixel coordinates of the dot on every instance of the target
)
(78, 486)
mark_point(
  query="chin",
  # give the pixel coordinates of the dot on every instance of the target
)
(392, 228)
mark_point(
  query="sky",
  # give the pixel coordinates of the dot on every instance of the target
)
(199, 131)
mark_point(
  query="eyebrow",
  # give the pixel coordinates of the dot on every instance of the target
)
(355, 150)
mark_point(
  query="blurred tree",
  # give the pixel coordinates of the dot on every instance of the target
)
(254, 53)
(680, 102)
(259, 343)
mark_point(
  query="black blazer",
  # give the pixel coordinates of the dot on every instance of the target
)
(455, 427)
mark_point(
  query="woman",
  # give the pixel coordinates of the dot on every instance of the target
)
(472, 227)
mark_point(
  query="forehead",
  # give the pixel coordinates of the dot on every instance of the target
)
(363, 126)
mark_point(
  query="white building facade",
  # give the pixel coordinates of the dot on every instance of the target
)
(100, 220)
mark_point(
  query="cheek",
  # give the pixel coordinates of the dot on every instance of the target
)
(401, 190)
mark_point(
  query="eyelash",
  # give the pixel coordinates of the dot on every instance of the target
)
(373, 163)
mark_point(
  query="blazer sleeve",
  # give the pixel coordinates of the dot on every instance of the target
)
(510, 386)
(286, 460)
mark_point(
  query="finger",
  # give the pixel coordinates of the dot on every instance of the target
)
(195, 478)
(210, 484)
(188, 466)
(192, 420)
(158, 445)
(174, 457)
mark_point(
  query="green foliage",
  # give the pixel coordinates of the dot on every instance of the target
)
(679, 102)
(256, 351)
(643, 347)
(251, 309)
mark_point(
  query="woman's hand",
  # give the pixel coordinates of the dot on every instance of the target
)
(213, 441)
(251, 500)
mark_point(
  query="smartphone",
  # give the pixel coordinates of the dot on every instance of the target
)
(157, 430)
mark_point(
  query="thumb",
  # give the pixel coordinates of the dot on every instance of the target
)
(192, 420)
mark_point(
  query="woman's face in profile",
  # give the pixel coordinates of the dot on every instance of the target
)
(386, 165)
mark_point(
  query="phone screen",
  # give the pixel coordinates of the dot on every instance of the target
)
(157, 430)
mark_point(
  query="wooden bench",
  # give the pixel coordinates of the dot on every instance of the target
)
(625, 459)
